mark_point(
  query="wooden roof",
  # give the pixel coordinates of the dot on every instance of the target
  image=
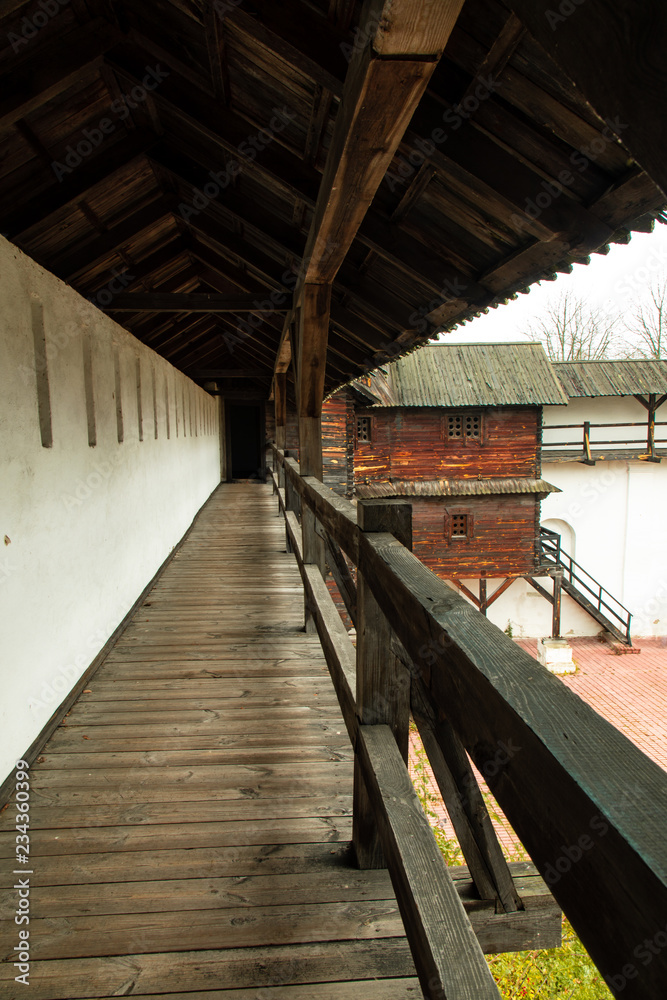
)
(612, 378)
(178, 147)
(454, 487)
(467, 375)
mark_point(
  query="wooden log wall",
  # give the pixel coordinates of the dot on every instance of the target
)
(338, 443)
(502, 541)
(292, 443)
(412, 443)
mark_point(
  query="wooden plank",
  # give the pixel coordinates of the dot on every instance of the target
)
(335, 884)
(121, 838)
(341, 574)
(73, 59)
(383, 682)
(16, 221)
(191, 302)
(493, 691)
(193, 929)
(255, 968)
(614, 56)
(337, 516)
(447, 956)
(465, 804)
(379, 98)
(338, 649)
(71, 263)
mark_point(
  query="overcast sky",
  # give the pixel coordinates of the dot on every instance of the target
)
(616, 282)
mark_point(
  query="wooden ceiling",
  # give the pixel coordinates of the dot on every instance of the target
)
(165, 159)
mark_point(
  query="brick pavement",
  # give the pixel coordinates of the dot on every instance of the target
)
(630, 691)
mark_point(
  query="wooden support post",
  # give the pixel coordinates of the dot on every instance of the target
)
(465, 803)
(312, 338)
(291, 499)
(280, 402)
(482, 595)
(557, 575)
(652, 457)
(588, 458)
(383, 682)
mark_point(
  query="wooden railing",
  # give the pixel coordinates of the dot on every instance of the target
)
(599, 597)
(581, 451)
(589, 807)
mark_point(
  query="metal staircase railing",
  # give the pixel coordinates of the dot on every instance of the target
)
(579, 583)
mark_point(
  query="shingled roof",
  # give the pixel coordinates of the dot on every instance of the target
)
(467, 375)
(612, 378)
(167, 155)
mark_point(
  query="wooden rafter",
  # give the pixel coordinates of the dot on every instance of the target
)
(189, 302)
(614, 53)
(382, 89)
(69, 61)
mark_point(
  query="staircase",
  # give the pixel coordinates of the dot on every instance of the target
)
(585, 589)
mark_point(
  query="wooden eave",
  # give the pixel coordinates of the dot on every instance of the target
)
(439, 235)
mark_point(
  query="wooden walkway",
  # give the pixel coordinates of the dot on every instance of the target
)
(190, 819)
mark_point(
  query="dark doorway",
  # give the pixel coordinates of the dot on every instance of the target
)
(246, 441)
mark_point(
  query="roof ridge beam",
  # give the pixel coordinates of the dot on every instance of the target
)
(614, 54)
(382, 89)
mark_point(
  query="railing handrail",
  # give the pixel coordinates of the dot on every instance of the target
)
(587, 804)
(580, 426)
(567, 561)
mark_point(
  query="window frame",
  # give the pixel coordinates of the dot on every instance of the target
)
(371, 429)
(449, 515)
(464, 439)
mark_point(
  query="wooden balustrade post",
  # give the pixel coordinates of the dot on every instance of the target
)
(482, 595)
(280, 402)
(383, 682)
(311, 337)
(291, 497)
(557, 575)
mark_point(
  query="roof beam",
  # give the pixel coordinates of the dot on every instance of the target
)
(300, 37)
(202, 115)
(192, 302)
(76, 188)
(85, 255)
(382, 89)
(70, 60)
(615, 55)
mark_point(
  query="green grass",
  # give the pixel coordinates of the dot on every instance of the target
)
(565, 973)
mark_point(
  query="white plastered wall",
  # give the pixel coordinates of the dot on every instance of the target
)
(83, 527)
(614, 512)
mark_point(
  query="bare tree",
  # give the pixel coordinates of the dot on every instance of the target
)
(648, 326)
(571, 330)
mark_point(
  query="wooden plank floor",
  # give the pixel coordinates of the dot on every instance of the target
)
(190, 819)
